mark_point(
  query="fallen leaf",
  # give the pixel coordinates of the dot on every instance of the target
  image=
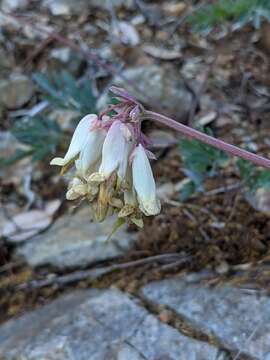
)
(162, 139)
(207, 118)
(169, 189)
(175, 9)
(27, 224)
(126, 33)
(161, 53)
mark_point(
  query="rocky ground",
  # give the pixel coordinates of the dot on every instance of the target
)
(194, 283)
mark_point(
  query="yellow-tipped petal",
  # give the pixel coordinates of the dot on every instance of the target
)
(144, 183)
(58, 161)
(72, 195)
(126, 211)
(96, 177)
(137, 222)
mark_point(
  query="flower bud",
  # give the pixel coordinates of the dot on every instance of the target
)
(115, 151)
(78, 140)
(144, 183)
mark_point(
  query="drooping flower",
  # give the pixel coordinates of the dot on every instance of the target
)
(111, 172)
(116, 150)
(144, 182)
(86, 143)
(90, 153)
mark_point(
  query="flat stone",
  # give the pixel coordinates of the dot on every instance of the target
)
(106, 4)
(12, 5)
(66, 7)
(240, 321)
(96, 325)
(8, 147)
(163, 87)
(16, 91)
(71, 7)
(75, 241)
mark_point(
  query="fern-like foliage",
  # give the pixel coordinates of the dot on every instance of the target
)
(63, 91)
(253, 178)
(200, 161)
(41, 134)
(238, 12)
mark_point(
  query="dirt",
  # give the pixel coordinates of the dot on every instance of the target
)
(217, 233)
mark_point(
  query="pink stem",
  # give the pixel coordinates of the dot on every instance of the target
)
(195, 134)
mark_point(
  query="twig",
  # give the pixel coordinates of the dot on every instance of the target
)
(209, 140)
(46, 42)
(223, 189)
(29, 193)
(97, 272)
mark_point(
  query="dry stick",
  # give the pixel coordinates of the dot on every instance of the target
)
(46, 42)
(209, 140)
(97, 272)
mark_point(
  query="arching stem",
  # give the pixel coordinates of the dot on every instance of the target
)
(207, 139)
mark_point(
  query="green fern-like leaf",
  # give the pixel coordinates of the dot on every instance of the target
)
(200, 161)
(63, 91)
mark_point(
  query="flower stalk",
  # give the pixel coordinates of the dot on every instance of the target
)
(207, 139)
(109, 156)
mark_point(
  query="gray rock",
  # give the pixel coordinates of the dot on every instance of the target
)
(106, 4)
(96, 325)
(152, 340)
(71, 7)
(8, 147)
(162, 86)
(126, 351)
(16, 91)
(11, 5)
(74, 241)
(240, 321)
(66, 7)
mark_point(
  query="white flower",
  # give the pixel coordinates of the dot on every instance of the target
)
(76, 189)
(116, 150)
(85, 142)
(144, 183)
(79, 188)
(90, 153)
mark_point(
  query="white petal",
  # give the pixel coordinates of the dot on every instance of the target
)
(78, 140)
(115, 151)
(91, 151)
(123, 161)
(71, 193)
(144, 183)
(57, 161)
(130, 197)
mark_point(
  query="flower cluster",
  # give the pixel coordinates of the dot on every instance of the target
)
(112, 168)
